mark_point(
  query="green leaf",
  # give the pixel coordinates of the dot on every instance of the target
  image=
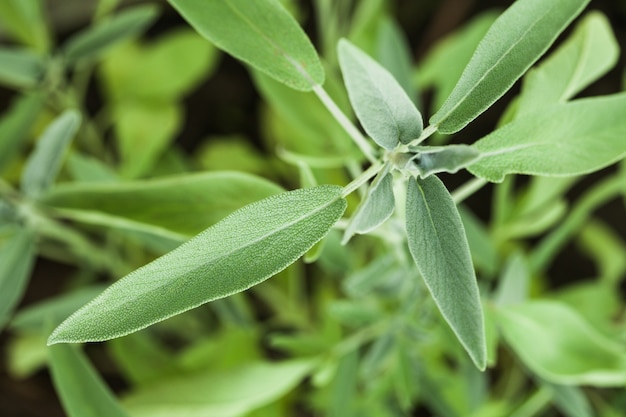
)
(229, 393)
(80, 388)
(514, 282)
(484, 253)
(25, 21)
(385, 111)
(376, 207)
(431, 160)
(559, 346)
(563, 139)
(185, 204)
(504, 55)
(570, 400)
(93, 42)
(440, 250)
(587, 54)
(261, 33)
(17, 255)
(16, 124)
(44, 163)
(85, 168)
(242, 250)
(20, 68)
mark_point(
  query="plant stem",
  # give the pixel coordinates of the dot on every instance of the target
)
(426, 133)
(362, 179)
(468, 189)
(343, 120)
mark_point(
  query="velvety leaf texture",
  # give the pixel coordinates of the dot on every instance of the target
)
(513, 43)
(563, 139)
(440, 250)
(386, 112)
(242, 250)
(261, 33)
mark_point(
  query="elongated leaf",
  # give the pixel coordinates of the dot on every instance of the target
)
(16, 260)
(16, 124)
(376, 207)
(513, 43)
(440, 250)
(589, 53)
(20, 68)
(92, 42)
(431, 160)
(383, 107)
(564, 139)
(82, 391)
(44, 164)
(228, 393)
(242, 250)
(261, 33)
(185, 204)
(559, 346)
(25, 21)
(571, 400)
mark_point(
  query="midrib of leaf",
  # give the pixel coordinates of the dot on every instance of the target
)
(490, 70)
(269, 40)
(511, 149)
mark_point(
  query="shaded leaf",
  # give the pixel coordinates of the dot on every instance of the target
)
(20, 68)
(266, 37)
(440, 250)
(242, 250)
(504, 55)
(17, 255)
(15, 125)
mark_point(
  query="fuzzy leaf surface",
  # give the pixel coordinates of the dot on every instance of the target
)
(561, 140)
(513, 43)
(440, 250)
(383, 107)
(435, 159)
(260, 33)
(16, 260)
(242, 250)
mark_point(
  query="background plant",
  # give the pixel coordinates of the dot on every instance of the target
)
(368, 336)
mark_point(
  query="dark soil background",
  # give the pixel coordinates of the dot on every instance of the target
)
(424, 21)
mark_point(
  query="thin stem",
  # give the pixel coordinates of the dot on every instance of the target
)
(347, 125)
(467, 189)
(362, 179)
(426, 133)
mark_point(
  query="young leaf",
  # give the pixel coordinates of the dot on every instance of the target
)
(92, 42)
(563, 139)
(588, 54)
(242, 250)
(376, 207)
(261, 33)
(513, 43)
(20, 68)
(559, 346)
(15, 125)
(185, 204)
(439, 248)
(431, 160)
(79, 386)
(43, 165)
(16, 260)
(386, 112)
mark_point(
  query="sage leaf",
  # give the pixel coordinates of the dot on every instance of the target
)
(26, 21)
(587, 54)
(440, 250)
(559, 346)
(383, 107)
(44, 163)
(17, 255)
(94, 41)
(570, 400)
(80, 388)
(431, 160)
(513, 43)
(260, 33)
(561, 140)
(376, 207)
(242, 250)
(185, 204)
(20, 68)
(16, 124)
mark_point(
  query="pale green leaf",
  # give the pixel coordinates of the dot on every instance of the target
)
(571, 400)
(20, 68)
(226, 393)
(92, 42)
(383, 107)
(431, 160)
(25, 21)
(514, 281)
(261, 33)
(513, 43)
(15, 124)
(80, 388)
(17, 255)
(440, 250)
(43, 165)
(561, 140)
(376, 207)
(559, 346)
(26, 354)
(242, 250)
(587, 54)
(484, 253)
(84, 168)
(185, 204)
